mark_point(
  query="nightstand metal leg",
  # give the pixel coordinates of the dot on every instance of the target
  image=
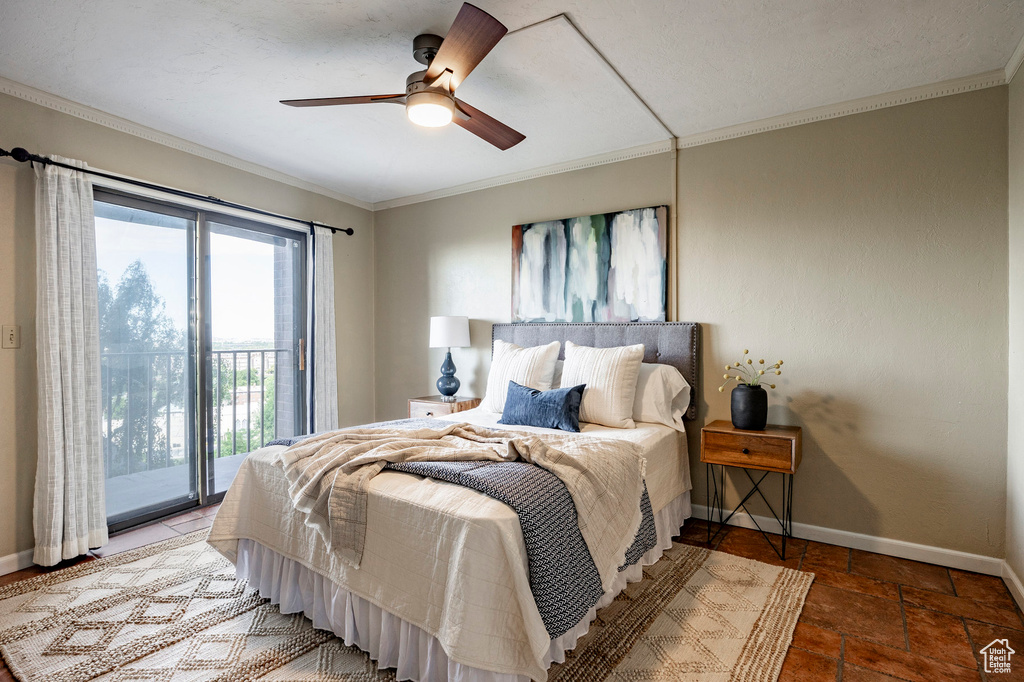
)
(787, 512)
(708, 498)
(715, 499)
(785, 517)
(785, 523)
(716, 502)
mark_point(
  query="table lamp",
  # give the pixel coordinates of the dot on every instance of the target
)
(449, 331)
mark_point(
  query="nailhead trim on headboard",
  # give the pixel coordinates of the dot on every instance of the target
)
(669, 343)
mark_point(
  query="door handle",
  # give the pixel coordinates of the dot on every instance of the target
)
(302, 355)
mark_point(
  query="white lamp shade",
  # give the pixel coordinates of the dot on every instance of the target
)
(449, 331)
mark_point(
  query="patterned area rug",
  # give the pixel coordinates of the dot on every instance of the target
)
(174, 611)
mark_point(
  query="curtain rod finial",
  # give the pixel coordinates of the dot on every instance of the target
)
(20, 154)
(335, 230)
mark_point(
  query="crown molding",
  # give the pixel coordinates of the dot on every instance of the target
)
(955, 86)
(1015, 60)
(66, 106)
(661, 147)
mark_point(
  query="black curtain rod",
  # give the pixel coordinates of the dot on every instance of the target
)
(22, 155)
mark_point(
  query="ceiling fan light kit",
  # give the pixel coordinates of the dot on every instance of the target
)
(429, 97)
(429, 109)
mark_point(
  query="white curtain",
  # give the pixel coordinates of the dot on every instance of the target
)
(69, 515)
(325, 360)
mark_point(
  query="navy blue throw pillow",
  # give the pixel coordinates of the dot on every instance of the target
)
(558, 408)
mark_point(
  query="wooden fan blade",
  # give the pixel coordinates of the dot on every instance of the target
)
(485, 127)
(332, 101)
(471, 37)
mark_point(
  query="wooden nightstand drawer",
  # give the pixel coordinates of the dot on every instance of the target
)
(434, 406)
(418, 410)
(775, 449)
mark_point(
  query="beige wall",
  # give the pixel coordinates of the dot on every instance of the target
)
(881, 280)
(868, 252)
(453, 256)
(1015, 411)
(45, 131)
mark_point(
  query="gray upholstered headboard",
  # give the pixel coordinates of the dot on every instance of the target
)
(669, 343)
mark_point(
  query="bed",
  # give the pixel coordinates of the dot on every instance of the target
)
(442, 592)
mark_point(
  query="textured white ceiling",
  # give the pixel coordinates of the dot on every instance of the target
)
(211, 71)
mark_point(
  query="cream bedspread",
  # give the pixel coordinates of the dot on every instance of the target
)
(447, 559)
(329, 474)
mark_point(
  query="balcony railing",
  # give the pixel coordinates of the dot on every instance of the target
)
(257, 365)
(147, 413)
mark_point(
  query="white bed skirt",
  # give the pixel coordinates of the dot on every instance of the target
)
(394, 643)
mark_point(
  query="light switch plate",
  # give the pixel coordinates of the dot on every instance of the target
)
(11, 336)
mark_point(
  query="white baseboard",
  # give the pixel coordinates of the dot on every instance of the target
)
(950, 558)
(15, 562)
(1014, 583)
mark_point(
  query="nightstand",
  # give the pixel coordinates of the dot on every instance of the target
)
(436, 405)
(777, 449)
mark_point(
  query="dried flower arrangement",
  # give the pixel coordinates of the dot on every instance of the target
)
(748, 373)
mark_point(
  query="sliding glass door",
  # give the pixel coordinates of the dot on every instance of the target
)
(144, 266)
(191, 299)
(255, 391)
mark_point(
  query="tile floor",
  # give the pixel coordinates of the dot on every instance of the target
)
(871, 617)
(868, 617)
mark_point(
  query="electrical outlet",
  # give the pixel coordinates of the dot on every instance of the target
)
(11, 336)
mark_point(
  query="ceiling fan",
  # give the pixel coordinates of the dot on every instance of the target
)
(429, 97)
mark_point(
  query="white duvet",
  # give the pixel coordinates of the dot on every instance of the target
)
(447, 559)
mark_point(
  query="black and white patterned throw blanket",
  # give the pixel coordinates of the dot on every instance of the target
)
(563, 577)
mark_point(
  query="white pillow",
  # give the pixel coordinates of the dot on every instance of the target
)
(556, 381)
(662, 396)
(610, 375)
(532, 367)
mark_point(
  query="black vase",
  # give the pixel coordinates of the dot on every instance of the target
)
(749, 407)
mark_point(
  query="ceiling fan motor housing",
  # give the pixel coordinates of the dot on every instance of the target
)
(415, 84)
(425, 47)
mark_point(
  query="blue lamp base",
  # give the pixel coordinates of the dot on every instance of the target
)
(448, 385)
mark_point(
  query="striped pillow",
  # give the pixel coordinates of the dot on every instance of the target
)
(532, 367)
(610, 375)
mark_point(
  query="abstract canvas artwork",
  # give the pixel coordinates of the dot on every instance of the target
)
(609, 267)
